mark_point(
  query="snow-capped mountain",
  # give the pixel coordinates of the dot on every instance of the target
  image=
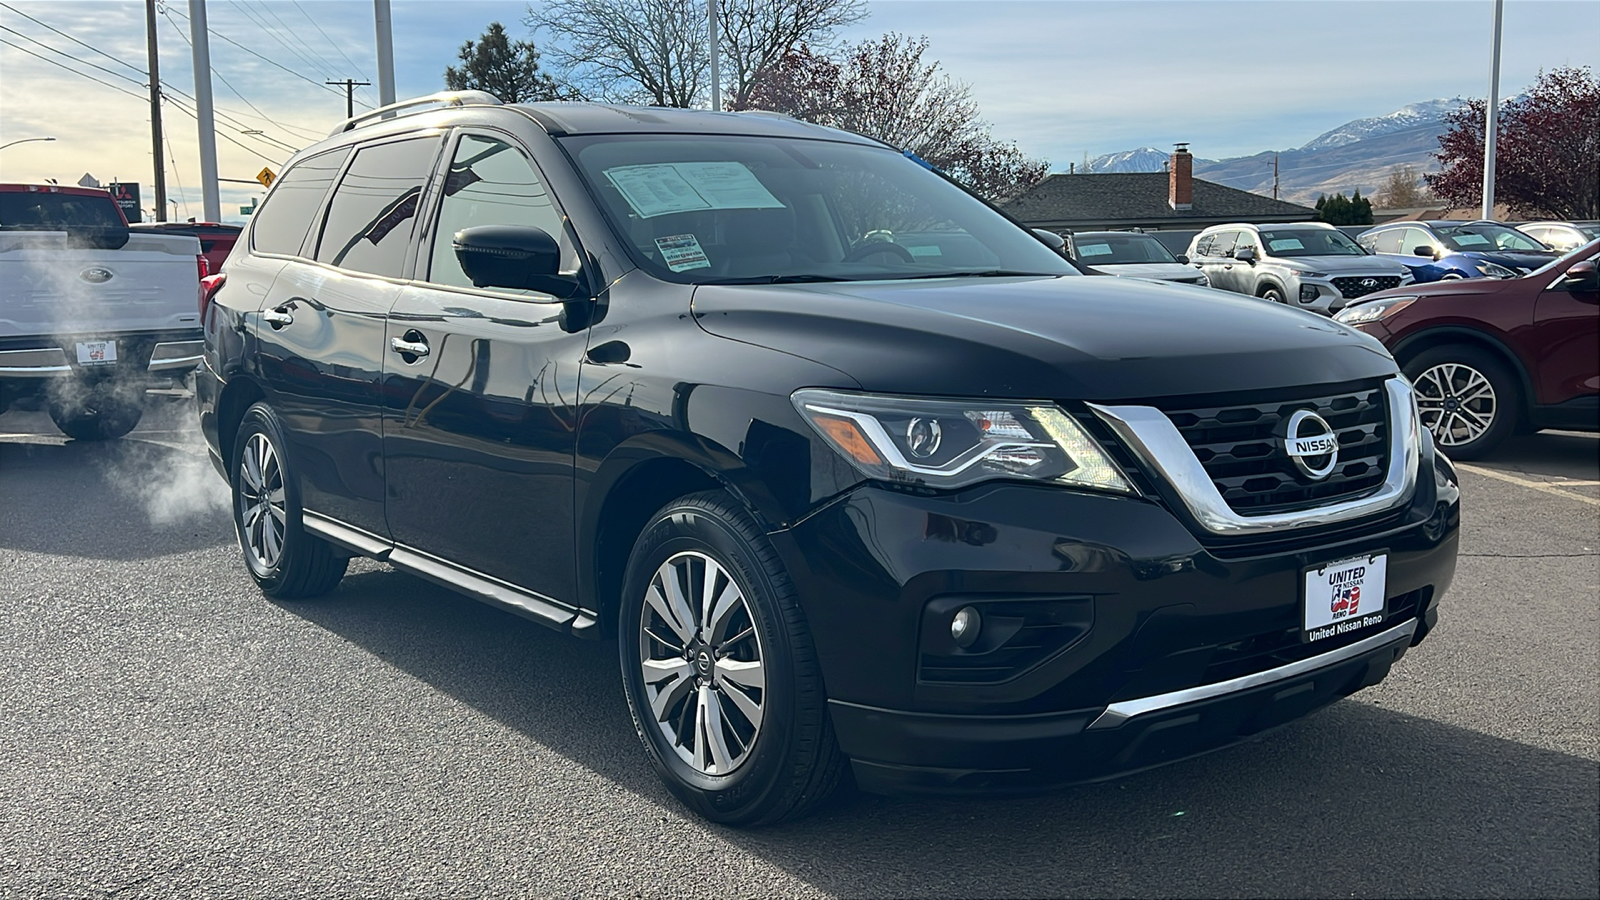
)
(1405, 117)
(1144, 159)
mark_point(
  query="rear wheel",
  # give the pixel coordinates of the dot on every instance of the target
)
(99, 412)
(1466, 397)
(285, 560)
(719, 670)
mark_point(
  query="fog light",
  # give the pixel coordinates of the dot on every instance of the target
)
(965, 626)
(1307, 292)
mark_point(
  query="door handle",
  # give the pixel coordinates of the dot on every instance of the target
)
(277, 318)
(404, 347)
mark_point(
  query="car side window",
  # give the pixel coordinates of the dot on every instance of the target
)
(374, 208)
(1222, 243)
(1246, 239)
(491, 182)
(1386, 241)
(1414, 238)
(280, 225)
(1202, 247)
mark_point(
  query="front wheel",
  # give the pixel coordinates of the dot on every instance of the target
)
(286, 561)
(719, 670)
(1272, 293)
(1466, 397)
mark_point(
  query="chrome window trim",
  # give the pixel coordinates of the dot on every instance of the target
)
(1123, 710)
(1151, 436)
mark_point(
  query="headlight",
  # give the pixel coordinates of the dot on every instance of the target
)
(1315, 275)
(1373, 310)
(1494, 271)
(954, 443)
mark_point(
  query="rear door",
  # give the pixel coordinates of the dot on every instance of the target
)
(479, 427)
(321, 331)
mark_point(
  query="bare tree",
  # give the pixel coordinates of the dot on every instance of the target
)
(1403, 189)
(633, 51)
(884, 89)
(656, 51)
(757, 34)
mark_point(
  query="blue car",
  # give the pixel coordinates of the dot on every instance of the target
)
(1447, 251)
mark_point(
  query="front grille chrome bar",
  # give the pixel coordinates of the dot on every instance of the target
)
(1151, 436)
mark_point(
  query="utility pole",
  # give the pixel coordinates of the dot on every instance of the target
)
(716, 76)
(349, 94)
(380, 15)
(1492, 119)
(201, 39)
(1274, 176)
(155, 110)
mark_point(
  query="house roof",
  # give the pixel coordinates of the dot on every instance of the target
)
(1140, 198)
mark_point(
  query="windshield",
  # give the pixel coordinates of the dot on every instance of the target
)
(46, 210)
(1486, 236)
(1119, 249)
(1308, 242)
(703, 209)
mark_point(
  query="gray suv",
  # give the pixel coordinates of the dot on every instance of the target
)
(1310, 265)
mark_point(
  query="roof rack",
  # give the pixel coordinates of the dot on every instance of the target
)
(443, 98)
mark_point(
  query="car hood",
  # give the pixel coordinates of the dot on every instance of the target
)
(1041, 337)
(1512, 260)
(1340, 265)
(1162, 271)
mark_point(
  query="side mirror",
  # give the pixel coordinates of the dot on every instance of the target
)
(520, 257)
(1182, 258)
(1056, 241)
(1423, 251)
(1581, 277)
(1245, 254)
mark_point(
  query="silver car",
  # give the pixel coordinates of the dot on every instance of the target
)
(1309, 265)
(1135, 255)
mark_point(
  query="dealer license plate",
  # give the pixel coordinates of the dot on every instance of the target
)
(1344, 596)
(97, 353)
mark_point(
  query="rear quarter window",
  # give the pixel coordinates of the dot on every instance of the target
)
(281, 224)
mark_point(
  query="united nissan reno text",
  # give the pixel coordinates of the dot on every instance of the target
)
(864, 478)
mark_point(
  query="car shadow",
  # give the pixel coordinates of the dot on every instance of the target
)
(1353, 800)
(1560, 454)
(58, 496)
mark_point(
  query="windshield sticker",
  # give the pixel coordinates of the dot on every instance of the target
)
(1285, 244)
(1468, 239)
(657, 190)
(681, 252)
(925, 250)
(1094, 249)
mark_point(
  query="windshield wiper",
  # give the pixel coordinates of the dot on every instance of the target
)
(804, 278)
(978, 273)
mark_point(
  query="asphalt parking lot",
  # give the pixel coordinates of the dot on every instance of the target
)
(167, 732)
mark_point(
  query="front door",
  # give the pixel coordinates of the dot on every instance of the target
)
(1565, 333)
(480, 391)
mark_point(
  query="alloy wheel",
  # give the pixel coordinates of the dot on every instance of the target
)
(703, 667)
(1456, 402)
(262, 517)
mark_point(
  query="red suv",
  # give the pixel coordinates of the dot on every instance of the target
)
(1489, 357)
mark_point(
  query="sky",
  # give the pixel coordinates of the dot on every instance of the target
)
(1065, 79)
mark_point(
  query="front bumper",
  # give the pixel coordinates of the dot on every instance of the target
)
(1138, 644)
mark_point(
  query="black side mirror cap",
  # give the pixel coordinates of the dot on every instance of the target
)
(1182, 258)
(520, 257)
(1423, 251)
(1245, 254)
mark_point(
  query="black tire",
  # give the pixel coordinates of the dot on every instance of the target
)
(791, 762)
(1272, 293)
(99, 412)
(1463, 425)
(302, 565)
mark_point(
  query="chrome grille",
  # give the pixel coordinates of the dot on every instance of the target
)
(1242, 449)
(1359, 286)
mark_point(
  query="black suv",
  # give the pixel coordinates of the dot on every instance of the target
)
(862, 476)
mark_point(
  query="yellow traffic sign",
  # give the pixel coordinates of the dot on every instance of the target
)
(265, 176)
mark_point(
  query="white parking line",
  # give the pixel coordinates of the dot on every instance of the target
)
(1540, 486)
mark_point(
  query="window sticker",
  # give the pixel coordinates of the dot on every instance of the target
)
(657, 190)
(1094, 249)
(1285, 244)
(925, 250)
(681, 252)
(1470, 239)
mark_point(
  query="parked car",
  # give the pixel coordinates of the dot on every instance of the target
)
(92, 315)
(1455, 250)
(216, 239)
(1309, 265)
(1491, 357)
(671, 375)
(1134, 255)
(1562, 237)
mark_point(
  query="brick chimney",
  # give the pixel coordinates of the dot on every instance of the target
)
(1180, 179)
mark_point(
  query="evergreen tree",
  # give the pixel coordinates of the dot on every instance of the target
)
(505, 68)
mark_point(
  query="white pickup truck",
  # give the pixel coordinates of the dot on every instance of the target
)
(92, 315)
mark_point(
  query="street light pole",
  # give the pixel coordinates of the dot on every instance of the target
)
(24, 141)
(1491, 119)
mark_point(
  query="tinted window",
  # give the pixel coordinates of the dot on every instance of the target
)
(374, 209)
(51, 210)
(1246, 239)
(281, 223)
(1118, 249)
(1306, 242)
(490, 183)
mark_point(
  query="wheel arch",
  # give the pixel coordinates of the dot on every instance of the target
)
(238, 395)
(1409, 347)
(1271, 281)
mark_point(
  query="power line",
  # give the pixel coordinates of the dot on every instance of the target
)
(74, 40)
(52, 62)
(237, 93)
(331, 42)
(260, 22)
(264, 59)
(221, 134)
(84, 62)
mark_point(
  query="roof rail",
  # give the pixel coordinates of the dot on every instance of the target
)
(443, 98)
